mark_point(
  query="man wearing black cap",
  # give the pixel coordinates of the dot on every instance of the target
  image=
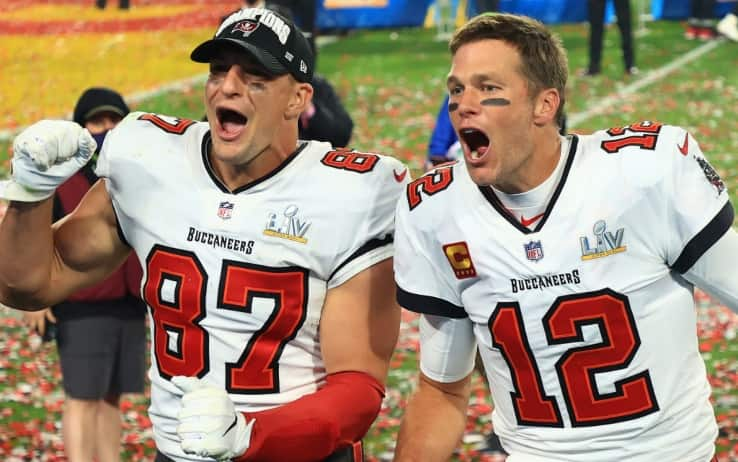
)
(267, 260)
(100, 330)
(324, 118)
(100, 106)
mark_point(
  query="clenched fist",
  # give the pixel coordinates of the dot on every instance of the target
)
(45, 155)
(209, 424)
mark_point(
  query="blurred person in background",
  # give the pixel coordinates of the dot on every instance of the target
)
(100, 331)
(326, 118)
(585, 319)
(701, 23)
(443, 145)
(596, 18)
(728, 26)
(122, 4)
(268, 259)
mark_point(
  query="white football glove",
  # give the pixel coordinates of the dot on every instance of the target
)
(45, 155)
(209, 425)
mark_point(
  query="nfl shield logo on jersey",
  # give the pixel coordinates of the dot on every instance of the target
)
(225, 210)
(533, 250)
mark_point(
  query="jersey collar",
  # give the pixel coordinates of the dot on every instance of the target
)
(205, 148)
(492, 198)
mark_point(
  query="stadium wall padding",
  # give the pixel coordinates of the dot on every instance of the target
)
(371, 14)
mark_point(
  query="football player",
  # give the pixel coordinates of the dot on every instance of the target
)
(267, 259)
(569, 261)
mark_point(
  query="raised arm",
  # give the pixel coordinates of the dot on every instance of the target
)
(42, 264)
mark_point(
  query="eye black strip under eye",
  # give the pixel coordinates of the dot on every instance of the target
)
(495, 102)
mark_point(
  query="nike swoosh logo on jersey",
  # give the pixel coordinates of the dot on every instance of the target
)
(235, 419)
(529, 221)
(401, 176)
(684, 149)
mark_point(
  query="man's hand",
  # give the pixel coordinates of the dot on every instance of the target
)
(209, 425)
(44, 156)
(37, 320)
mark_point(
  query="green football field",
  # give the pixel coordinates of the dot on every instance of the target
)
(392, 82)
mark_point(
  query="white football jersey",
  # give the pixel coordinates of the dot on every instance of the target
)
(586, 328)
(235, 281)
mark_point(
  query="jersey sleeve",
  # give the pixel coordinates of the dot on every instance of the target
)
(447, 348)
(715, 271)
(421, 284)
(698, 206)
(106, 160)
(102, 167)
(372, 236)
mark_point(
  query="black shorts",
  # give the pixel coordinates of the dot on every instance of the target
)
(102, 348)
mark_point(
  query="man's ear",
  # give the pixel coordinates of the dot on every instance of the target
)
(545, 106)
(302, 94)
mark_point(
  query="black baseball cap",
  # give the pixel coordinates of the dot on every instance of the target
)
(96, 100)
(276, 43)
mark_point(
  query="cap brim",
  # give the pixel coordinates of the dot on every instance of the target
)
(12, 191)
(104, 108)
(206, 50)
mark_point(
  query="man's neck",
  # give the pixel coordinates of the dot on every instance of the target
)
(537, 169)
(234, 176)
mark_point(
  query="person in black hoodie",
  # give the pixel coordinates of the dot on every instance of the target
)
(326, 119)
(100, 331)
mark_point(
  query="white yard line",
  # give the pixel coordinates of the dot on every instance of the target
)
(134, 98)
(600, 106)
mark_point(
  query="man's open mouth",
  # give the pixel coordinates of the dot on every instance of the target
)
(231, 121)
(476, 140)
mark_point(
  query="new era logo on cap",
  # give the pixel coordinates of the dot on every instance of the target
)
(272, 39)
